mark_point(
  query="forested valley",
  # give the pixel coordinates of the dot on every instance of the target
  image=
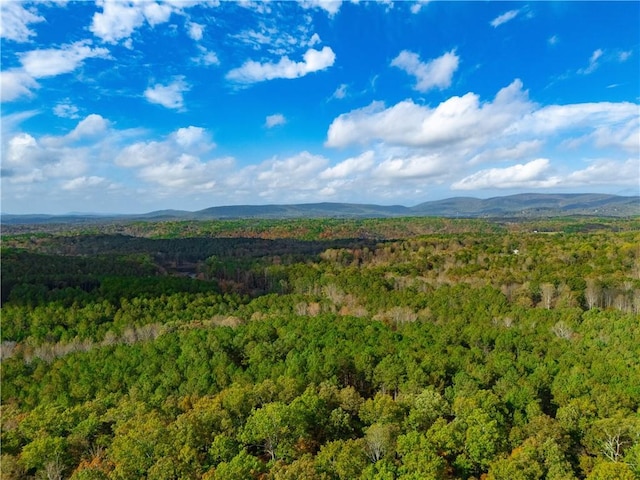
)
(406, 348)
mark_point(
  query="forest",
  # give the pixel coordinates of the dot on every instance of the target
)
(322, 349)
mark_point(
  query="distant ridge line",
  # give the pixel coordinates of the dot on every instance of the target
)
(524, 205)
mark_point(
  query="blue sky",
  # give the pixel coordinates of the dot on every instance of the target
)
(134, 106)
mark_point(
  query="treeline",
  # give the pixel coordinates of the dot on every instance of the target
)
(299, 229)
(497, 355)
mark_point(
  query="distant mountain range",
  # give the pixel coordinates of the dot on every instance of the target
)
(526, 205)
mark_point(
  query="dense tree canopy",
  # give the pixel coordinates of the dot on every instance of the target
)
(320, 350)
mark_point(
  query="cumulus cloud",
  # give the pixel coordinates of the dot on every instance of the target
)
(143, 153)
(606, 171)
(512, 152)
(176, 161)
(504, 18)
(350, 166)
(50, 62)
(417, 145)
(466, 122)
(15, 84)
(410, 124)
(32, 160)
(91, 126)
(190, 140)
(66, 109)
(16, 19)
(275, 120)
(624, 135)
(295, 173)
(330, 6)
(534, 174)
(554, 119)
(22, 150)
(169, 96)
(185, 171)
(195, 30)
(190, 137)
(434, 73)
(119, 19)
(253, 72)
(412, 167)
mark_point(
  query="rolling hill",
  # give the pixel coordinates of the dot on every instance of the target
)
(526, 205)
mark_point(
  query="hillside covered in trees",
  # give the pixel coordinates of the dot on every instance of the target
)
(405, 348)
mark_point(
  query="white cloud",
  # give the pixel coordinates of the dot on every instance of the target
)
(15, 84)
(314, 40)
(84, 182)
(270, 37)
(190, 140)
(117, 20)
(91, 126)
(51, 62)
(275, 120)
(169, 96)
(22, 150)
(186, 171)
(260, 7)
(624, 135)
(451, 122)
(175, 162)
(206, 57)
(417, 6)
(195, 30)
(157, 13)
(330, 6)
(210, 58)
(599, 56)
(435, 73)
(265, 37)
(341, 92)
(66, 109)
(412, 167)
(143, 153)
(593, 62)
(504, 18)
(555, 119)
(350, 166)
(534, 174)
(520, 150)
(10, 122)
(295, 173)
(39, 166)
(194, 139)
(553, 40)
(606, 172)
(31, 160)
(313, 61)
(120, 18)
(468, 125)
(624, 56)
(16, 20)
